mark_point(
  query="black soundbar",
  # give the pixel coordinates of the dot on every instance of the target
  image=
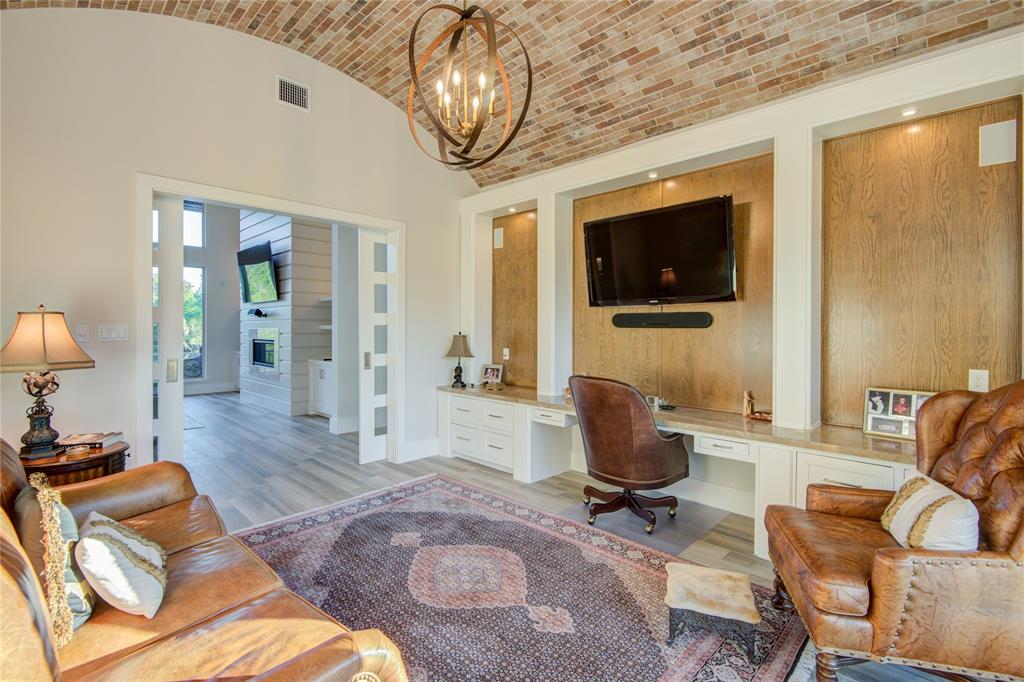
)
(662, 320)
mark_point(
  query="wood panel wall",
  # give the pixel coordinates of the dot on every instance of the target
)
(707, 368)
(514, 298)
(921, 260)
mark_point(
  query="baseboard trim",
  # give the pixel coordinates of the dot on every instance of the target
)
(417, 449)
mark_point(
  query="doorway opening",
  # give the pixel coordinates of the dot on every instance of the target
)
(310, 372)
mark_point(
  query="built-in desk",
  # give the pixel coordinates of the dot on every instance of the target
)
(735, 464)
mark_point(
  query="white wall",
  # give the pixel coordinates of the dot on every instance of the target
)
(793, 128)
(220, 345)
(91, 97)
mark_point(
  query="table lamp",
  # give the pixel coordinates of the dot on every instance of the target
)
(40, 343)
(459, 349)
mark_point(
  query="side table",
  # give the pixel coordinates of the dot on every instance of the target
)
(63, 469)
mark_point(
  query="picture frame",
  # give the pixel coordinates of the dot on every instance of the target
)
(491, 374)
(892, 412)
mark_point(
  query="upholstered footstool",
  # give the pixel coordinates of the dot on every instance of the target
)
(708, 599)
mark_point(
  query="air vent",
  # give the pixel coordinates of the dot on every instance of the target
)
(293, 94)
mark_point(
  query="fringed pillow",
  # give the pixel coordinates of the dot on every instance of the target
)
(127, 570)
(924, 514)
(69, 599)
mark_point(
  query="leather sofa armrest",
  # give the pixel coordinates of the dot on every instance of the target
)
(858, 503)
(129, 493)
(343, 659)
(961, 609)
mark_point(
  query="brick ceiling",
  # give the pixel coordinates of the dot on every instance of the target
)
(611, 72)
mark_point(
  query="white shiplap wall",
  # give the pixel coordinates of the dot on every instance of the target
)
(302, 258)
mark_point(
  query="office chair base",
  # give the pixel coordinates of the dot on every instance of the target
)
(640, 505)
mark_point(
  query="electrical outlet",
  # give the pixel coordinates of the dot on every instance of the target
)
(504, 353)
(977, 380)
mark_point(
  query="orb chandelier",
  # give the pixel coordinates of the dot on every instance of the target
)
(462, 89)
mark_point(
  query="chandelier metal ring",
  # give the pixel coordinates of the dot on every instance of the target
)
(452, 151)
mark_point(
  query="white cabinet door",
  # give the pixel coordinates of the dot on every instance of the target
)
(816, 468)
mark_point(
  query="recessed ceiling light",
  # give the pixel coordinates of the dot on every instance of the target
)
(511, 209)
(908, 112)
(652, 174)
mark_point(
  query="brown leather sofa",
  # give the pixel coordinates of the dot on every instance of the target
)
(862, 596)
(224, 614)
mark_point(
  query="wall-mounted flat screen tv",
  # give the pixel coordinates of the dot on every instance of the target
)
(679, 254)
(257, 274)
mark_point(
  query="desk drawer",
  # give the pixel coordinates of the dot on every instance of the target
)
(719, 447)
(552, 417)
(812, 468)
(496, 448)
(465, 440)
(498, 416)
(467, 411)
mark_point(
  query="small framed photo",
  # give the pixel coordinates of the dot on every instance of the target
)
(892, 412)
(491, 374)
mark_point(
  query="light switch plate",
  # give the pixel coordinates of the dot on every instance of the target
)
(82, 333)
(112, 332)
(977, 380)
(504, 353)
(172, 371)
(499, 238)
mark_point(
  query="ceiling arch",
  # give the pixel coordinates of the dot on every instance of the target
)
(611, 72)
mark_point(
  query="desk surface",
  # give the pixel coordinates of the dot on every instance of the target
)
(841, 440)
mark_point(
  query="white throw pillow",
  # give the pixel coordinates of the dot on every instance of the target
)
(127, 570)
(924, 514)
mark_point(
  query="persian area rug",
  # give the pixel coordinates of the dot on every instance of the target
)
(474, 586)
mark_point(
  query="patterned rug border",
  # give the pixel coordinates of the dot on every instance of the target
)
(301, 528)
(792, 639)
(321, 508)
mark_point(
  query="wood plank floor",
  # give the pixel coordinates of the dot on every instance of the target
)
(258, 466)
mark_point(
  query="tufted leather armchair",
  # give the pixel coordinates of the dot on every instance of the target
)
(862, 596)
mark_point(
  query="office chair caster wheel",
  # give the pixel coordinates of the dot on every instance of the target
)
(649, 528)
(591, 519)
(672, 512)
(586, 499)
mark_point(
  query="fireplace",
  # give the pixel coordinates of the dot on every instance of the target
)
(264, 352)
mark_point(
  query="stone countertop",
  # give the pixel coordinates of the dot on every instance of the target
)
(841, 440)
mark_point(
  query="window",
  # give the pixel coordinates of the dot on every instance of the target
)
(156, 228)
(193, 224)
(156, 286)
(194, 306)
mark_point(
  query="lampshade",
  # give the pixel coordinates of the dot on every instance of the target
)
(40, 342)
(459, 347)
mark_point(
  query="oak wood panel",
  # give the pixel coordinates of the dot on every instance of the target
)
(708, 368)
(921, 260)
(514, 298)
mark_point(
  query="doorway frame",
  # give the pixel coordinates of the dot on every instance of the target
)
(146, 186)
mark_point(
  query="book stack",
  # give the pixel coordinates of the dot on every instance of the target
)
(92, 440)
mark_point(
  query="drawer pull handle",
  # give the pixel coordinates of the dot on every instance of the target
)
(546, 415)
(842, 483)
(462, 409)
(495, 416)
(461, 438)
(495, 447)
(719, 446)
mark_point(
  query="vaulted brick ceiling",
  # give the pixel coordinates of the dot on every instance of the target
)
(608, 73)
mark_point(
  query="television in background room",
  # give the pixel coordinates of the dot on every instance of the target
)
(257, 274)
(678, 254)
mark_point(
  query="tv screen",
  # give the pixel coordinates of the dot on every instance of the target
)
(257, 274)
(679, 254)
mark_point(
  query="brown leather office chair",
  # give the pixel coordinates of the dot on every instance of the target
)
(864, 597)
(625, 448)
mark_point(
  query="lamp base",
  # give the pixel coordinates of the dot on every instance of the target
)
(39, 440)
(458, 382)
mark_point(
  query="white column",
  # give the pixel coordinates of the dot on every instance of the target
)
(554, 293)
(475, 289)
(796, 295)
